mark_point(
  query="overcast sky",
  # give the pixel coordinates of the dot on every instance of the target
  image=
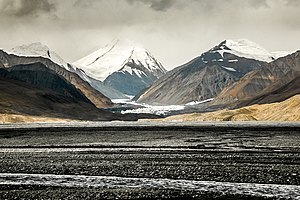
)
(174, 31)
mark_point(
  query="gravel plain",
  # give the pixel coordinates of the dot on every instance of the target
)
(233, 154)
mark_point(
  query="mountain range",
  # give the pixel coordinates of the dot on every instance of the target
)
(37, 82)
(234, 74)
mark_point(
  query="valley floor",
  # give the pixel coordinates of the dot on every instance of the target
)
(131, 161)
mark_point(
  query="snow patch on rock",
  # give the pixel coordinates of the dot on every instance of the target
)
(198, 102)
(229, 69)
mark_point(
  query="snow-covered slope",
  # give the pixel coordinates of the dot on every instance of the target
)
(122, 65)
(114, 56)
(244, 48)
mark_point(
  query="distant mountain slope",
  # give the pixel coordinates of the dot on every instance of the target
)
(207, 75)
(97, 98)
(277, 80)
(287, 110)
(108, 91)
(123, 66)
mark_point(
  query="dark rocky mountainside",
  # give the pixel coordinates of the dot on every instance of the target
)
(43, 93)
(98, 99)
(40, 76)
(200, 79)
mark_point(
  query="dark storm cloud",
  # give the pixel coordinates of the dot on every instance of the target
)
(23, 8)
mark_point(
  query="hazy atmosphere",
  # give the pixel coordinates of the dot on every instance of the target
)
(174, 31)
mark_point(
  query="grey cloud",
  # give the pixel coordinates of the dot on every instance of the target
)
(293, 3)
(157, 5)
(84, 3)
(22, 8)
(161, 5)
(258, 3)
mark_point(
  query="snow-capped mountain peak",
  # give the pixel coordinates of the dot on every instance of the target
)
(38, 49)
(244, 48)
(114, 56)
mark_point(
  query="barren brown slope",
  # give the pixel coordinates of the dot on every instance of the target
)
(101, 101)
(288, 110)
(277, 94)
(257, 85)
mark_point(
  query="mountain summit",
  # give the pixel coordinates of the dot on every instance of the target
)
(247, 49)
(244, 48)
(122, 65)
